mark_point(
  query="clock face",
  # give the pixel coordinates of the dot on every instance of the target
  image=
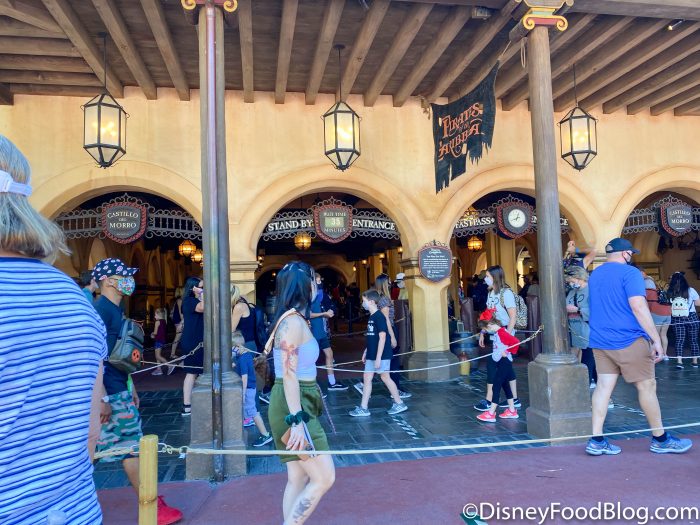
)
(517, 218)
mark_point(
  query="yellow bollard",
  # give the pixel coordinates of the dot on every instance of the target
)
(148, 480)
(465, 365)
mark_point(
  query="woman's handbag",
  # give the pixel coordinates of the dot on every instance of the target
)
(260, 362)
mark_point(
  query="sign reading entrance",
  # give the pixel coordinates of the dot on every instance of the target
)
(677, 219)
(124, 222)
(435, 262)
(333, 222)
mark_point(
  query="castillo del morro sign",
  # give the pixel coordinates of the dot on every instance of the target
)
(124, 222)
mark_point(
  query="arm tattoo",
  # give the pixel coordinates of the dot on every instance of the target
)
(301, 509)
(290, 356)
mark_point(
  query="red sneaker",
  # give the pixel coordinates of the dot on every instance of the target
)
(509, 414)
(167, 515)
(487, 417)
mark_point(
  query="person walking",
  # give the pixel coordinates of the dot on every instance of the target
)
(160, 340)
(295, 402)
(625, 342)
(52, 344)
(660, 308)
(192, 337)
(501, 298)
(578, 314)
(243, 318)
(321, 312)
(684, 317)
(178, 321)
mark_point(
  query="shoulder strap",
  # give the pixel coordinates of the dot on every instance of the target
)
(500, 296)
(271, 339)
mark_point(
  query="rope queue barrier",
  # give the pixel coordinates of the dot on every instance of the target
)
(164, 448)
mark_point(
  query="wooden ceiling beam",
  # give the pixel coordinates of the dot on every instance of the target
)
(6, 96)
(481, 39)
(683, 9)
(164, 40)
(12, 27)
(74, 28)
(678, 101)
(51, 47)
(669, 96)
(410, 26)
(284, 54)
(329, 26)
(49, 77)
(594, 40)
(29, 12)
(61, 91)
(30, 63)
(638, 57)
(690, 108)
(451, 25)
(363, 41)
(120, 34)
(484, 69)
(516, 73)
(616, 48)
(245, 31)
(666, 76)
(652, 65)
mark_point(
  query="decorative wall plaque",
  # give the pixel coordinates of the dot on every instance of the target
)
(124, 222)
(435, 262)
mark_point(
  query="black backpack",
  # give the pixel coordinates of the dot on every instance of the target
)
(260, 324)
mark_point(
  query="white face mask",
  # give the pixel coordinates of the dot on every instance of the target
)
(365, 305)
(488, 280)
(400, 284)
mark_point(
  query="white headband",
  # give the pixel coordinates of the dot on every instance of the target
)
(8, 185)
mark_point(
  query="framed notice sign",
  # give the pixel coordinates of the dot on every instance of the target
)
(676, 219)
(435, 262)
(333, 222)
(124, 222)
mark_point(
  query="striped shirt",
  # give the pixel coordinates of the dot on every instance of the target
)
(51, 344)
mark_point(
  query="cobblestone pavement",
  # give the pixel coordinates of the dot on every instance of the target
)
(439, 414)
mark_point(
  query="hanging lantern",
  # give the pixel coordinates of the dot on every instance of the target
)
(579, 135)
(400, 249)
(382, 255)
(302, 241)
(186, 248)
(354, 268)
(198, 256)
(474, 244)
(104, 127)
(341, 130)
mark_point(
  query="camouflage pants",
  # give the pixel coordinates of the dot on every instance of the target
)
(123, 428)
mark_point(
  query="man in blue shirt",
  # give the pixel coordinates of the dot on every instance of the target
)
(625, 341)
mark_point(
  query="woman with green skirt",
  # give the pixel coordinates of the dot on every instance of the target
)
(295, 401)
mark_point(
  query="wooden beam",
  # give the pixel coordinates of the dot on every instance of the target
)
(491, 4)
(17, 45)
(616, 48)
(61, 91)
(692, 107)
(484, 69)
(410, 26)
(73, 27)
(284, 54)
(245, 30)
(683, 9)
(363, 41)
(451, 25)
(30, 63)
(6, 96)
(12, 27)
(329, 26)
(164, 40)
(49, 77)
(652, 66)
(120, 34)
(678, 101)
(516, 73)
(668, 97)
(483, 37)
(594, 39)
(666, 76)
(29, 12)
(635, 59)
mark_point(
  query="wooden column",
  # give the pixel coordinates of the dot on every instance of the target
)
(554, 339)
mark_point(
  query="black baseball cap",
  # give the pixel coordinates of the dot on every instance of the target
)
(618, 244)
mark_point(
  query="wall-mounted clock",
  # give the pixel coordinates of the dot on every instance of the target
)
(514, 219)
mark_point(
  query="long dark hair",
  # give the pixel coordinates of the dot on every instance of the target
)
(190, 283)
(678, 287)
(294, 289)
(499, 278)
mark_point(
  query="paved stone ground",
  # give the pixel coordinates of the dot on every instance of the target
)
(439, 414)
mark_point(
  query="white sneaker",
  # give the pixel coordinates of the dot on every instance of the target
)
(592, 385)
(397, 408)
(358, 387)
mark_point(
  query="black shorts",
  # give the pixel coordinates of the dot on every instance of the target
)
(323, 343)
(491, 367)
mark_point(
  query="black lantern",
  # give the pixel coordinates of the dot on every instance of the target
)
(341, 129)
(104, 124)
(579, 135)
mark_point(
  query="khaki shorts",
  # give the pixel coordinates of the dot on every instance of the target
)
(635, 362)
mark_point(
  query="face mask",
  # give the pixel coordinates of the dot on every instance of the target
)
(126, 285)
(365, 305)
(488, 280)
(575, 285)
(400, 284)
